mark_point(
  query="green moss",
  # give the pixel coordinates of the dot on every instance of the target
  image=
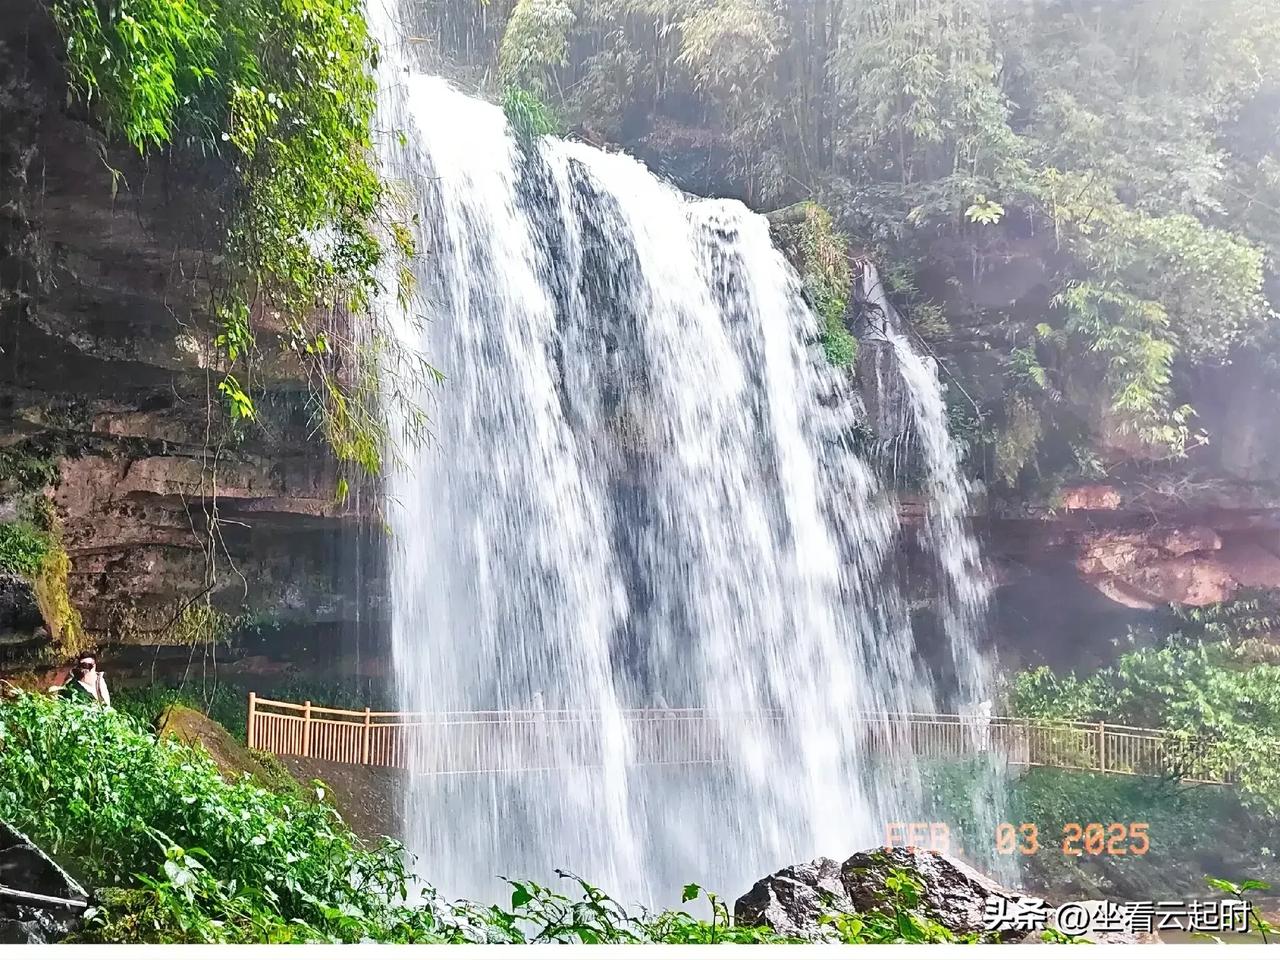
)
(54, 598)
(34, 550)
(275, 776)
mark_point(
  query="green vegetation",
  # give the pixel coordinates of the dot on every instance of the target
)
(1190, 830)
(528, 116)
(212, 861)
(182, 855)
(808, 235)
(29, 470)
(33, 549)
(279, 98)
(54, 596)
(1187, 686)
(1120, 158)
(23, 548)
(226, 701)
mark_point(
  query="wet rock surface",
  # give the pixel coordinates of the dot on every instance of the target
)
(20, 616)
(39, 902)
(793, 900)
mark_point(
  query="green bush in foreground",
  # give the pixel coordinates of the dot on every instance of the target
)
(122, 808)
(179, 855)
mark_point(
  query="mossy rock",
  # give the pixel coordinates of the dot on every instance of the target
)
(232, 757)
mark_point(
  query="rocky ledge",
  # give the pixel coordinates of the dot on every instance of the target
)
(39, 902)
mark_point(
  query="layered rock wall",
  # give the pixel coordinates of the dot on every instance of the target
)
(108, 402)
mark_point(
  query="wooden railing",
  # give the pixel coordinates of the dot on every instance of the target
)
(524, 740)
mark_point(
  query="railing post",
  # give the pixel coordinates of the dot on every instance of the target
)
(364, 748)
(251, 733)
(1102, 747)
(306, 729)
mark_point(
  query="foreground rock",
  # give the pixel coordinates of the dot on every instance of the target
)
(39, 903)
(793, 900)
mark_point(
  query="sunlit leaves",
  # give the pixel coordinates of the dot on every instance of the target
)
(216, 861)
(239, 403)
(1198, 689)
(984, 211)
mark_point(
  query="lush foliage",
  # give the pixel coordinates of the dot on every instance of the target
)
(1195, 688)
(22, 548)
(184, 856)
(279, 97)
(1118, 162)
(528, 116)
(216, 861)
(1190, 829)
(809, 236)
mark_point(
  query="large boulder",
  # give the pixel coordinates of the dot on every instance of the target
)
(39, 902)
(793, 900)
(955, 895)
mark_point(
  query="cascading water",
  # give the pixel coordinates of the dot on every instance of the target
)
(963, 589)
(639, 495)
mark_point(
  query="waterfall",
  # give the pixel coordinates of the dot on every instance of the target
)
(640, 493)
(962, 587)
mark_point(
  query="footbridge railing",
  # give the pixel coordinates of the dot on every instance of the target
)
(490, 742)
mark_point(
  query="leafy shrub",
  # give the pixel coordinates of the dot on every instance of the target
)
(1192, 688)
(120, 807)
(528, 117)
(22, 549)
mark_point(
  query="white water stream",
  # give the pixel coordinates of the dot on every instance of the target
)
(639, 494)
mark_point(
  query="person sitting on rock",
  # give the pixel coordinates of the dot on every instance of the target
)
(86, 683)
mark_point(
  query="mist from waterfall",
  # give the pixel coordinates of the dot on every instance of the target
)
(640, 493)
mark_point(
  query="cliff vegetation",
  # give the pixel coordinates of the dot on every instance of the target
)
(280, 97)
(1090, 193)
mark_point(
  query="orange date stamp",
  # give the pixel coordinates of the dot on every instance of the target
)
(1113, 839)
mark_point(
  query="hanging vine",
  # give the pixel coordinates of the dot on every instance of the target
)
(281, 93)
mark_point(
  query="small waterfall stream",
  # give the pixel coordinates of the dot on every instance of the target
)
(640, 494)
(962, 586)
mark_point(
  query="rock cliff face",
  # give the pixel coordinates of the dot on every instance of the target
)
(108, 404)
(1077, 563)
(108, 407)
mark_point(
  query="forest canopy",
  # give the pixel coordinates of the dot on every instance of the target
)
(1127, 151)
